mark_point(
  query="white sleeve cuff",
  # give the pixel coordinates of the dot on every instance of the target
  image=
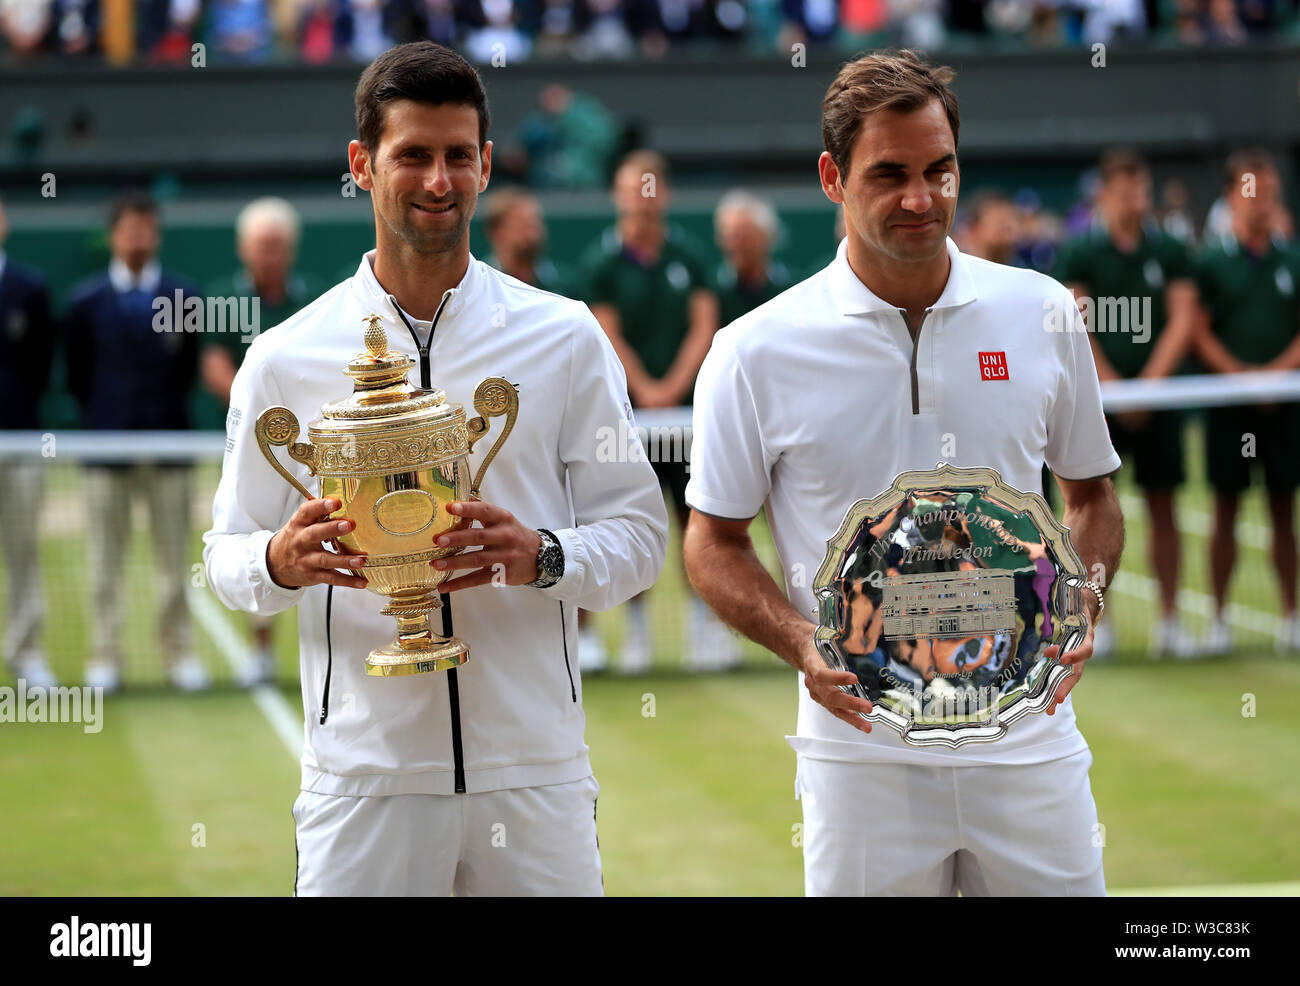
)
(715, 507)
(265, 587)
(1096, 469)
(575, 558)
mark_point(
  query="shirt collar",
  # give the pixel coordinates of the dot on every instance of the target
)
(612, 239)
(1150, 227)
(852, 297)
(542, 267)
(377, 299)
(124, 280)
(1228, 240)
(294, 288)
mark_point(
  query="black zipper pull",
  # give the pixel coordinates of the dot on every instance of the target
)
(329, 659)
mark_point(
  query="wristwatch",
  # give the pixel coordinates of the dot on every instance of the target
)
(550, 561)
(1101, 599)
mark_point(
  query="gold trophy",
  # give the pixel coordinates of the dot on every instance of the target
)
(394, 456)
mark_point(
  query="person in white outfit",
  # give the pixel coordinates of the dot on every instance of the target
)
(820, 397)
(475, 780)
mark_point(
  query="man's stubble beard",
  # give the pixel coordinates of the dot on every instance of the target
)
(433, 242)
(895, 242)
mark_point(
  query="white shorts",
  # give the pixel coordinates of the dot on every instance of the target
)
(530, 841)
(890, 829)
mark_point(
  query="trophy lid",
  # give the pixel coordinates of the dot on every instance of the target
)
(380, 387)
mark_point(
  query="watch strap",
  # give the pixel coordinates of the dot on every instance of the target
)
(551, 548)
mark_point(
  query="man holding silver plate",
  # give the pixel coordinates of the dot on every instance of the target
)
(893, 414)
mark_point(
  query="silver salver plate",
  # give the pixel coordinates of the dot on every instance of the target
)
(941, 595)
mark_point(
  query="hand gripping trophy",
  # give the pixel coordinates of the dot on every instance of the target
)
(394, 456)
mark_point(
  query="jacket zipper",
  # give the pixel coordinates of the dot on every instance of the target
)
(453, 683)
(453, 697)
(329, 663)
(564, 636)
(916, 345)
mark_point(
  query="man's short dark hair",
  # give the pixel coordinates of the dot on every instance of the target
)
(133, 200)
(984, 200)
(904, 81)
(646, 162)
(498, 205)
(1121, 161)
(1246, 161)
(421, 71)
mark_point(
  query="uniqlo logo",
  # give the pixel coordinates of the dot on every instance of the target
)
(993, 366)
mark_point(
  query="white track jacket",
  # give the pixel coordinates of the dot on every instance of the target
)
(512, 716)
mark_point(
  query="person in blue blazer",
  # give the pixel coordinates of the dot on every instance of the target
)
(132, 338)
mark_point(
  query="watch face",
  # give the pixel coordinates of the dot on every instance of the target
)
(553, 561)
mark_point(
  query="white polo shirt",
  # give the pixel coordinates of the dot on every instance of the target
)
(817, 399)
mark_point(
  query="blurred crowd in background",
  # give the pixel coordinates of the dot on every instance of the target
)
(507, 31)
(1224, 294)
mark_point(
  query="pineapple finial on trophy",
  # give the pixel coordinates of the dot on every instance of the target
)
(376, 337)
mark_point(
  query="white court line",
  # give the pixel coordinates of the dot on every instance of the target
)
(286, 723)
(1189, 600)
(1201, 604)
(1213, 890)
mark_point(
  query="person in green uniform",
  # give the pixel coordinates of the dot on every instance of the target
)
(1134, 284)
(569, 141)
(266, 242)
(650, 289)
(992, 231)
(516, 232)
(992, 228)
(746, 227)
(1248, 280)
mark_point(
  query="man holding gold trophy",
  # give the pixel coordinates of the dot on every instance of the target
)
(893, 413)
(444, 743)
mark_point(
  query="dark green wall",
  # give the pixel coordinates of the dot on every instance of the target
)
(330, 252)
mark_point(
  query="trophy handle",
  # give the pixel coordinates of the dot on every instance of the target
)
(493, 397)
(279, 426)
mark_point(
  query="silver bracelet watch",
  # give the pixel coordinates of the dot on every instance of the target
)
(1101, 599)
(550, 561)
